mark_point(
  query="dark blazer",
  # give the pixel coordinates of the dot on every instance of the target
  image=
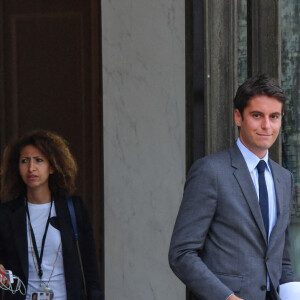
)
(14, 247)
(219, 245)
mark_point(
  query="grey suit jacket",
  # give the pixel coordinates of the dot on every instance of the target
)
(219, 245)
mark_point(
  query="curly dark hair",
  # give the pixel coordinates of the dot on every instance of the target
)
(56, 150)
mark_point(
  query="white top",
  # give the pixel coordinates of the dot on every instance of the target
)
(38, 217)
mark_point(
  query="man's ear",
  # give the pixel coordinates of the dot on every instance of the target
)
(238, 118)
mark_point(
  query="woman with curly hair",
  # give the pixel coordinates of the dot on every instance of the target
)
(36, 233)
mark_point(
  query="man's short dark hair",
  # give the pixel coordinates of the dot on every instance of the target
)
(257, 86)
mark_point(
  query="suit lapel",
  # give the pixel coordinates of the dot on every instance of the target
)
(65, 225)
(19, 227)
(278, 188)
(279, 200)
(244, 179)
(67, 238)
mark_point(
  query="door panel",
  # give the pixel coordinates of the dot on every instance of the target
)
(50, 66)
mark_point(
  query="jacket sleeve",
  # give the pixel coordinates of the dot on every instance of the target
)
(6, 241)
(88, 251)
(287, 272)
(2, 223)
(190, 232)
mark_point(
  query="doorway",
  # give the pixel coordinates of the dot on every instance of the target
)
(50, 78)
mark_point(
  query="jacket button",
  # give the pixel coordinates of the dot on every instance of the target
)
(263, 287)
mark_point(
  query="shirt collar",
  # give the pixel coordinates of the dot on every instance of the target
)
(251, 159)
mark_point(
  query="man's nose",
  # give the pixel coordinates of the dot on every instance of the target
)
(265, 123)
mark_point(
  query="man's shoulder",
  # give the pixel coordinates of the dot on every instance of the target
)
(223, 157)
(278, 169)
(215, 161)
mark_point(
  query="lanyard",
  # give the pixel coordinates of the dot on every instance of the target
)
(39, 258)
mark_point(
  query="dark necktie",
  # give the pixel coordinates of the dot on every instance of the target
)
(263, 194)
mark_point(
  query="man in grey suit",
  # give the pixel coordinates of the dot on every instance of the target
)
(230, 240)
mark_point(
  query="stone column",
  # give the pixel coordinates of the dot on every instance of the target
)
(143, 47)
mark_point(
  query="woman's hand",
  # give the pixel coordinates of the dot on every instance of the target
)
(3, 279)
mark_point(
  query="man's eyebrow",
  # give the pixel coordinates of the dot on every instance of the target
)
(255, 112)
(276, 113)
(260, 112)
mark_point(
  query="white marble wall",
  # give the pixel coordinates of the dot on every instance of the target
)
(144, 144)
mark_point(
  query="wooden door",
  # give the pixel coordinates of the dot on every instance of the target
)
(50, 78)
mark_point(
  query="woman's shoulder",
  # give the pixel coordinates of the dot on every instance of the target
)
(13, 204)
(77, 200)
(80, 209)
(74, 200)
(9, 208)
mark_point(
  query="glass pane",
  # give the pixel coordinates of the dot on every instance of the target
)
(290, 33)
(242, 41)
(291, 85)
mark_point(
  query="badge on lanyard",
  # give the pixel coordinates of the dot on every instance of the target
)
(46, 294)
